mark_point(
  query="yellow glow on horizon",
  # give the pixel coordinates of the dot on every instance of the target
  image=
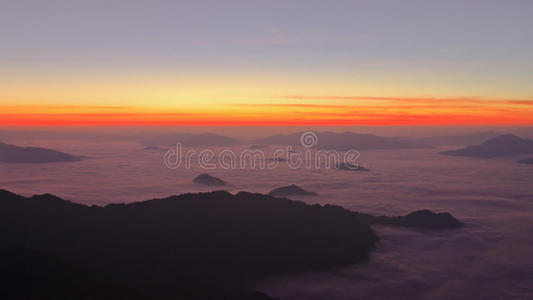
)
(199, 99)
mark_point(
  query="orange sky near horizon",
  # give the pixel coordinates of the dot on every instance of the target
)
(284, 111)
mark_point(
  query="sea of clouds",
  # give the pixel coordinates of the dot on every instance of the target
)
(489, 259)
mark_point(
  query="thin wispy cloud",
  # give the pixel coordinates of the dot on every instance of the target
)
(412, 99)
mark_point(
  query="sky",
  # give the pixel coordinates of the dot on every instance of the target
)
(266, 62)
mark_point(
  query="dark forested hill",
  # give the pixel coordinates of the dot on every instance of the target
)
(192, 246)
(167, 246)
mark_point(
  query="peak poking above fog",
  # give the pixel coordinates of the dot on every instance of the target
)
(467, 139)
(291, 190)
(351, 167)
(509, 139)
(503, 145)
(207, 179)
(15, 154)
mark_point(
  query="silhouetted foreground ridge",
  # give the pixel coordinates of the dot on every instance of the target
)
(192, 246)
(161, 248)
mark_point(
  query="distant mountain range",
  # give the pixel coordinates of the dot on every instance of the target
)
(456, 140)
(502, 145)
(326, 140)
(190, 140)
(342, 141)
(350, 140)
(15, 154)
